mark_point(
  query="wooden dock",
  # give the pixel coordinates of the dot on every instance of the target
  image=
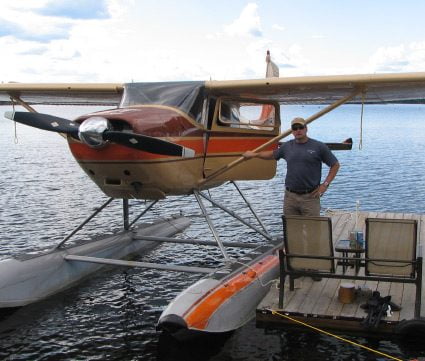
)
(317, 303)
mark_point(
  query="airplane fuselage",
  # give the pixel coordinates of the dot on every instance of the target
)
(122, 172)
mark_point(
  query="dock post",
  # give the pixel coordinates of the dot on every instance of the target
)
(281, 279)
(418, 289)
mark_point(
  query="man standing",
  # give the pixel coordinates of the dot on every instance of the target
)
(304, 157)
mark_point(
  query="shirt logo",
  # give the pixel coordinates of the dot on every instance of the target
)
(311, 151)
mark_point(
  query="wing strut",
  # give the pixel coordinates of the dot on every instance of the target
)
(22, 103)
(281, 136)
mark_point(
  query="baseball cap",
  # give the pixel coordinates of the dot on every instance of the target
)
(298, 121)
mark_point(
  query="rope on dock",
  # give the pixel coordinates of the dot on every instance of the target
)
(335, 336)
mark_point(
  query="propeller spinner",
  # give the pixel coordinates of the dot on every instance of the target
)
(96, 131)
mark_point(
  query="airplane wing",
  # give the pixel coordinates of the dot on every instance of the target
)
(62, 93)
(377, 88)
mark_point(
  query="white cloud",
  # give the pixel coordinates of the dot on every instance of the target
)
(401, 58)
(124, 48)
(26, 24)
(76, 9)
(278, 27)
(129, 45)
(248, 23)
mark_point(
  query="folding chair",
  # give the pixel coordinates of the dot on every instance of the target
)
(394, 240)
(390, 252)
(308, 249)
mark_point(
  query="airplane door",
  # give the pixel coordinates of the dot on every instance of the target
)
(238, 125)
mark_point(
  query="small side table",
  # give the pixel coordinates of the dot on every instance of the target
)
(343, 246)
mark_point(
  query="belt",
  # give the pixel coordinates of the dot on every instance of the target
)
(305, 191)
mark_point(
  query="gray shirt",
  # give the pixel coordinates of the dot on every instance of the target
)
(304, 163)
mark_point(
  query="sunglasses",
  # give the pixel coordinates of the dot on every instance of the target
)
(297, 127)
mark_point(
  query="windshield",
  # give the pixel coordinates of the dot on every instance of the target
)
(187, 96)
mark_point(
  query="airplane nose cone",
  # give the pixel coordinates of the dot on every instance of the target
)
(91, 131)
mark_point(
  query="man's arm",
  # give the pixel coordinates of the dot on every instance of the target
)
(332, 173)
(329, 178)
(265, 154)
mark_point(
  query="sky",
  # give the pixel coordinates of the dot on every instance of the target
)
(167, 40)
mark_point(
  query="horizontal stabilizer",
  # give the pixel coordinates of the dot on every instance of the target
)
(345, 145)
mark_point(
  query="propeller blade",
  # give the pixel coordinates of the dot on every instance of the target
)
(45, 122)
(148, 144)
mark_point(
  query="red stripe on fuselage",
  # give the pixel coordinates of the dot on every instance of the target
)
(236, 145)
(116, 152)
(216, 146)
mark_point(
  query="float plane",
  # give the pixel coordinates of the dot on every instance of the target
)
(179, 138)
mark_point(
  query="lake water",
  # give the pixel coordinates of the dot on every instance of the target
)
(112, 316)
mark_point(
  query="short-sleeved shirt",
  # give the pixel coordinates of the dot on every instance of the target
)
(304, 163)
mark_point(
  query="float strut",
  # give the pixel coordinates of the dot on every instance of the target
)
(141, 214)
(87, 220)
(250, 207)
(233, 214)
(125, 212)
(210, 224)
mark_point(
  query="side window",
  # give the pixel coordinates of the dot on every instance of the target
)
(247, 115)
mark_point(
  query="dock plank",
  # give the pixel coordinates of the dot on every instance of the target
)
(312, 297)
(299, 295)
(288, 294)
(326, 297)
(335, 306)
(408, 302)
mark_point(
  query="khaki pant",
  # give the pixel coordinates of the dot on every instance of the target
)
(301, 204)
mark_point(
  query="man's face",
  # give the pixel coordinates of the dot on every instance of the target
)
(299, 131)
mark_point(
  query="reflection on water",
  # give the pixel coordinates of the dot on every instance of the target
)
(112, 315)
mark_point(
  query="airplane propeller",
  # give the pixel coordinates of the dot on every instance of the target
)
(95, 131)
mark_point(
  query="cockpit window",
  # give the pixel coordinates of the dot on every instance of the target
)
(247, 115)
